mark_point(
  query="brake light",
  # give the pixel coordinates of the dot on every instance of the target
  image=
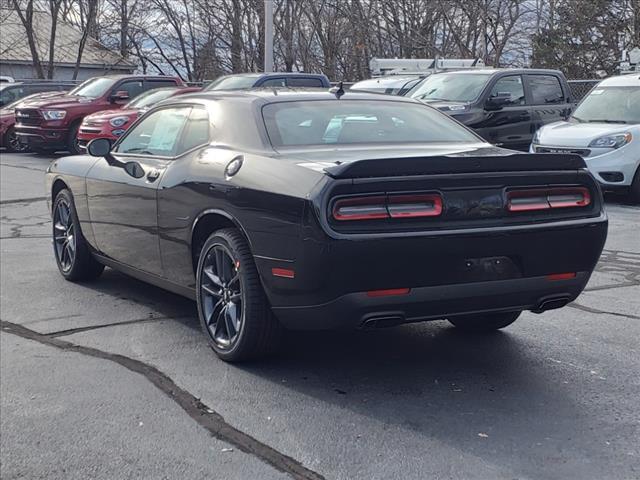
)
(392, 206)
(544, 199)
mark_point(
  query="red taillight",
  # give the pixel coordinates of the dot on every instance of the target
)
(388, 292)
(544, 199)
(392, 206)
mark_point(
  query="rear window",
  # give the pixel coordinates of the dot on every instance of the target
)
(304, 82)
(345, 122)
(233, 82)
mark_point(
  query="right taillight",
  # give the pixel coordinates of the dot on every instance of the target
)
(391, 206)
(548, 198)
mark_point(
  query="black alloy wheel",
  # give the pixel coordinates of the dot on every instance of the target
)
(64, 238)
(221, 293)
(72, 252)
(13, 143)
(233, 310)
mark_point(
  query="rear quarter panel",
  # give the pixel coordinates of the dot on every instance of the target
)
(265, 199)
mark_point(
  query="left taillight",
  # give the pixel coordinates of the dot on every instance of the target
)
(387, 206)
(547, 198)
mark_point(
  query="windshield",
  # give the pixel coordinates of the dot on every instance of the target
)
(452, 87)
(359, 121)
(233, 82)
(610, 105)
(150, 98)
(93, 88)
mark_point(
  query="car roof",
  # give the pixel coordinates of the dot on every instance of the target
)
(272, 74)
(281, 94)
(141, 77)
(629, 80)
(387, 81)
(492, 71)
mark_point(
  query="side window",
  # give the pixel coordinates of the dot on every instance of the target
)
(157, 134)
(151, 84)
(197, 131)
(274, 82)
(9, 95)
(512, 86)
(132, 87)
(303, 82)
(545, 89)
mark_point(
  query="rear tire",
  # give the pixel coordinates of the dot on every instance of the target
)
(72, 140)
(234, 312)
(634, 190)
(73, 257)
(484, 322)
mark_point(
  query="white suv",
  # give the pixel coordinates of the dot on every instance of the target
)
(605, 130)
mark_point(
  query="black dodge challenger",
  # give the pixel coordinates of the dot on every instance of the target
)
(316, 210)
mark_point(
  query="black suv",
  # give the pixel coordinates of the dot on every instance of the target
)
(504, 106)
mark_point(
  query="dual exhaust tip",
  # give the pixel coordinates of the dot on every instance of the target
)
(392, 320)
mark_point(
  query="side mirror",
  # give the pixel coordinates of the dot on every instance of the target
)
(497, 102)
(120, 96)
(99, 147)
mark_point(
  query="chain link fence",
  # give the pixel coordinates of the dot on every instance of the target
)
(580, 88)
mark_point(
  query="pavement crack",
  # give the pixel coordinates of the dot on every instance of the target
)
(597, 311)
(71, 331)
(22, 200)
(210, 420)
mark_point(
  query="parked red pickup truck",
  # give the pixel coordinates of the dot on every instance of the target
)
(51, 124)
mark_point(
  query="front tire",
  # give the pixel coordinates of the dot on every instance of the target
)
(634, 190)
(13, 143)
(73, 257)
(484, 322)
(233, 309)
(72, 140)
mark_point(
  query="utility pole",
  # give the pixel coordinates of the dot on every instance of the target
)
(268, 35)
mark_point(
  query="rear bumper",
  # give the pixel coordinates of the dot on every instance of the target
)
(447, 273)
(356, 310)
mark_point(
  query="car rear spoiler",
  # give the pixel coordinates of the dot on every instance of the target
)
(518, 162)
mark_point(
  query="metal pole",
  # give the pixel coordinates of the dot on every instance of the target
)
(268, 35)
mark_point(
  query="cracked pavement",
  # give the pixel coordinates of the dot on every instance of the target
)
(113, 379)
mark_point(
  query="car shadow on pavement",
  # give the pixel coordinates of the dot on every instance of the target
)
(427, 379)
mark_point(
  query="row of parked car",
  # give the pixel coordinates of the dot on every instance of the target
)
(520, 109)
(533, 110)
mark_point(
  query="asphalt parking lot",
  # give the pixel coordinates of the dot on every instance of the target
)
(113, 380)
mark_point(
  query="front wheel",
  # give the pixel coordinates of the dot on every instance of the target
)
(234, 313)
(71, 250)
(13, 143)
(634, 190)
(72, 140)
(484, 322)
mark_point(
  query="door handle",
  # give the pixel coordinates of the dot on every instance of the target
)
(153, 174)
